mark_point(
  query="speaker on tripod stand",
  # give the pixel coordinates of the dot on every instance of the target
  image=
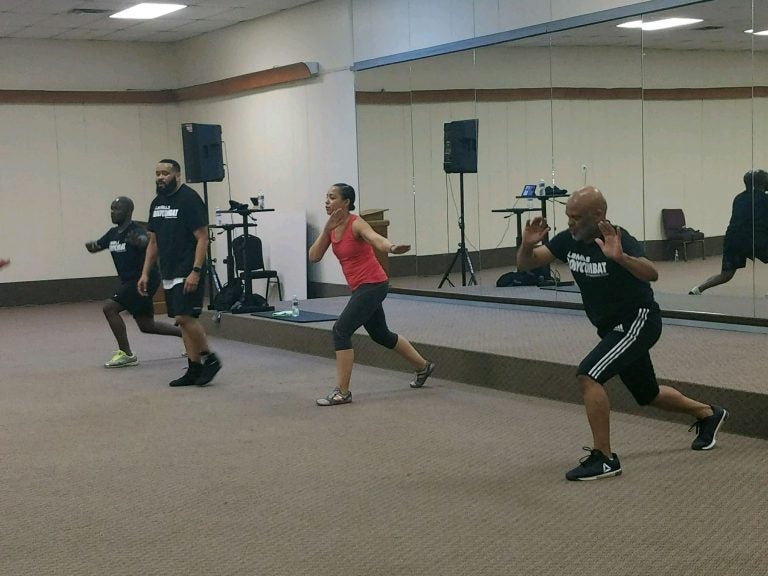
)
(460, 157)
(204, 162)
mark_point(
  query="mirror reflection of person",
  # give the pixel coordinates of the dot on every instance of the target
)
(747, 232)
(353, 242)
(614, 277)
(178, 240)
(127, 244)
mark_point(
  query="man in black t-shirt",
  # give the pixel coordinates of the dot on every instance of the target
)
(747, 232)
(614, 277)
(178, 239)
(127, 242)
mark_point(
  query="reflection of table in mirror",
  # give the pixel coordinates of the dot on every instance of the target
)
(543, 204)
(518, 212)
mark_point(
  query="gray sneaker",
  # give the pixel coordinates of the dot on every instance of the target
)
(334, 398)
(421, 376)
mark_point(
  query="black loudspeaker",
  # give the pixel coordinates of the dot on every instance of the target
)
(460, 147)
(203, 158)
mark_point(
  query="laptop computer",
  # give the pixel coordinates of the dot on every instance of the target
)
(529, 191)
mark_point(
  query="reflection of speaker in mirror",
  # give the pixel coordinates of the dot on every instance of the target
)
(460, 147)
(203, 158)
(460, 156)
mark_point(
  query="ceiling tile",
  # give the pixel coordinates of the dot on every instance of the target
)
(45, 6)
(14, 19)
(82, 34)
(38, 32)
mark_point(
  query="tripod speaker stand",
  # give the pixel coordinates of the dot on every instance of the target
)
(461, 253)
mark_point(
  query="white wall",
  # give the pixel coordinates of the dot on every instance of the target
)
(387, 27)
(80, 65)
(63, 164)
(645, 155)
(291, 142)
(62, 167)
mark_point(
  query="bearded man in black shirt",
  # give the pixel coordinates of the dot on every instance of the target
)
(614, 277)
(178, 239)
(127, 242)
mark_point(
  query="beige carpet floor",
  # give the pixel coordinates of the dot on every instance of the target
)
(111, 472)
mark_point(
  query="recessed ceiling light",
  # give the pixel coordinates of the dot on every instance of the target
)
(660, 24)
(761, 33)
(147, 11)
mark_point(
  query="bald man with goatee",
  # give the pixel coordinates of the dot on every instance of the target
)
(614, 276)
(127, 244)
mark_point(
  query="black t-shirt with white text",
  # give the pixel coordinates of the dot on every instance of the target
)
(128, 259)
(173, 219)
(611, 294)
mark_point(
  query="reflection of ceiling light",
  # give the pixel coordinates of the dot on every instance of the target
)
(660, 24)
(761, 33)
(147, 11)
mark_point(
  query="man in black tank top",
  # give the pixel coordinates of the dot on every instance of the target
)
(614, 277)
(127, 243)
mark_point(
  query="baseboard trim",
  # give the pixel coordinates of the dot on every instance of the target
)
(38, 292)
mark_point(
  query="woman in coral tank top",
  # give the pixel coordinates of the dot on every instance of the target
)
(353, 241)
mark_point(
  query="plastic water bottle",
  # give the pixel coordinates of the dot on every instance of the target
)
(295, 306)
(542, 189)
(677, 255)
(260, 201)
(218, 217)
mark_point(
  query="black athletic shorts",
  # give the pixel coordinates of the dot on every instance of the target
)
(623, 351)
(180, 304)
(736, 252)
(127, 295)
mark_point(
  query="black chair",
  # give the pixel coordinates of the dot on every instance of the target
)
(678, 234)
(250, 246)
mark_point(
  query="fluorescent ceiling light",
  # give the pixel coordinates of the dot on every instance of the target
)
(660, 24)
(761, 33)
(147, 11)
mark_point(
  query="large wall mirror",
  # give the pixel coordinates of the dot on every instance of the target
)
(665, 121)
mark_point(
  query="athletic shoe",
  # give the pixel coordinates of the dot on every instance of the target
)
(120, 360)
(335, 397)
(190, 376)
(210, 366)
(595, 466)
(422, 375)
(707, 428)
(695, 291)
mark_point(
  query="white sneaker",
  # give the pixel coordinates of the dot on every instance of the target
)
(695, 291)
(120, 360)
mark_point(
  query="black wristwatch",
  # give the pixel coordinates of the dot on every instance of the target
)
(196, 269)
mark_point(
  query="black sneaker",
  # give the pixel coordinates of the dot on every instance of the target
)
(189, 377)
(595, 466)
(210, 367)
(422, 375)
(707, 428)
